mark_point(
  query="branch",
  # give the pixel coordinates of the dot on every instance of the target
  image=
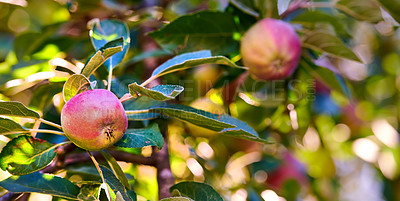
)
(50, 123)
(118, 155)
(165, 178)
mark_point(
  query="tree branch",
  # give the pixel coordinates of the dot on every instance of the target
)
(165, 178)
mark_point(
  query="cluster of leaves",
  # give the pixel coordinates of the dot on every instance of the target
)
(210, 37)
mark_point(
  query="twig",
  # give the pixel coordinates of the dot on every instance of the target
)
(137, 111)
(126, 97)
(118, 155)
(165, 178)
(110, 76)
(35, 131)
(59, 162)
(50, 123)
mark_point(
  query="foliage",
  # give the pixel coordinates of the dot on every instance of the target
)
(330, 125)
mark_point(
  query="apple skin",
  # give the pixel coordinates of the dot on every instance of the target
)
(271, 49)
(94, 119)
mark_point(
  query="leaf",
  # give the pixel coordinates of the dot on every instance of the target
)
(9, 126)
(365, 10)
(14, 108)
(177, 199)
(246, 6)
(105, 52)
(25, 154)
(132, 195)
(192, 59)
(89, 192)
(222, 123)
(41, 183)
(142, 137)
(316, 16)
(322, 41)
(145, 55)
(107, 30)
(326, 76)
(202, 30)
(43, 94)
(159, 92)
(116, 169)
(75, 84)
(197, 191)
(393, 7)
(114, 183)
(142, 103)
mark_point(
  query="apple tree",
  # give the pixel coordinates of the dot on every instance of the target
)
(199, 100)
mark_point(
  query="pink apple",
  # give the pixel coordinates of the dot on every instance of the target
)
(271, 49)
(94, 119)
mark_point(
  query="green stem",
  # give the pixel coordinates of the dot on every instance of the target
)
(109, 77)
(319, 5)
(136, 111)
(34, 130)
(50, 123)
(97, 166)
(149, 80)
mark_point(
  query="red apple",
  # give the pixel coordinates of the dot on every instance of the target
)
(290, 169)
(271, 49)
(94, 119)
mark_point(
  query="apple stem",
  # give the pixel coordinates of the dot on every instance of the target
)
(109, 77)
(50, 123)
(97, 166)
(35, 131)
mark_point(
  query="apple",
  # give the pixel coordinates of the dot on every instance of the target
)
(270, 49)
(207, 105)
(94, 119)
(289, 169)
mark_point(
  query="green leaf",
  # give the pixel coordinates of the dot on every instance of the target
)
(365, 10)
(197, 191)
(107, 30)
(258, 8)
(25, 154)
(316, 16)
(246, 6)
(132, 195)
(144, 55)
(14, 108)
(159, 92)
(222, 123)
(115, 183)
(142, 137)
(9, 126)
(142, 103)
(323, 41)
(43, 94)
(202, 30)
(177, 199)
(41, 183)
(192, 59)
(105, 52)
(393, 7)
(89, 192)
(116, 169)
(75, 84)
(325, 76)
